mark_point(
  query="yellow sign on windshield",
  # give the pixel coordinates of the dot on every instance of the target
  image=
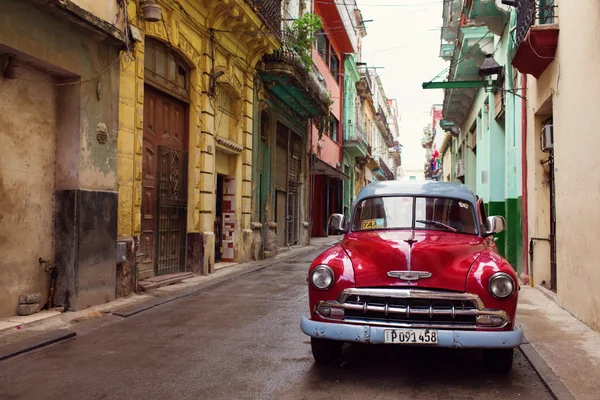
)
(372, 223)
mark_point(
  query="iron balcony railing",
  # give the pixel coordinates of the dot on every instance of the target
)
(270, 12)
(310, 75)
(381, 115)
(530, 12)
(386, 171)
(358, 135)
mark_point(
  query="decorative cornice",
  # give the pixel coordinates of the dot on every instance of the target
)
(228, 144)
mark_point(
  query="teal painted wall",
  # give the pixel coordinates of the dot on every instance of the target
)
(494, 171)
(513, 118)
(351, 76)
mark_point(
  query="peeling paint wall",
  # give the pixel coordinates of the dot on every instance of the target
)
(27, 140)
(79, 162)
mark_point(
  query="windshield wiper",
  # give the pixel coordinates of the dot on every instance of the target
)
(436, 223)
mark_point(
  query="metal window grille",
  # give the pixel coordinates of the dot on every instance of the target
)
(172, 211)
(226, 102)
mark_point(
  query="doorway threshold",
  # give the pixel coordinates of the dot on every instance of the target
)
(224, 264)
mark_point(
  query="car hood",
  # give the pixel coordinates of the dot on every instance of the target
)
(447, 256)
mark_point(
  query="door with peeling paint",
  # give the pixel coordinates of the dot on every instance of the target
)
(164, 171)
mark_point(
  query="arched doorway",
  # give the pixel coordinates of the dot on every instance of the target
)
(164, 165)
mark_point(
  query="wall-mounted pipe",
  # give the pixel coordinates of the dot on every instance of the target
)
(524, 203)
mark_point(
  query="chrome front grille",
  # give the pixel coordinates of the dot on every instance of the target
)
(413, 308)
(420, 312)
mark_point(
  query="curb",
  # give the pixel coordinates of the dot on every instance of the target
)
(551, 381)
(36, 342)
(51, 337)
(136, 309)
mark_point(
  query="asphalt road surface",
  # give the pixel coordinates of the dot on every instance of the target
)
(242, 340)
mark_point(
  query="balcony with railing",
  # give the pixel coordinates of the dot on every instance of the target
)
(395, 153)
(356, 142)
(364, 85)
(491, 13)
(300, 86)
(427, 140)
(270, 13)
(384, 127)
(536, 36)
(446, 51)
(389, 175)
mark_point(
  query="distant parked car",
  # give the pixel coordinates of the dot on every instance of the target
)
(418, 265)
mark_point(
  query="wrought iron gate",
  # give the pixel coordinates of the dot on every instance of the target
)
(172, 211)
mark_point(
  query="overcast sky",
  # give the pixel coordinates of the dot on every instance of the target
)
(404, 38)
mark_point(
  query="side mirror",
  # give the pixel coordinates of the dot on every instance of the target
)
(494, 225)
(337, 222)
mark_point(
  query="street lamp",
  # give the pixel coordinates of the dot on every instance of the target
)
(491, 72)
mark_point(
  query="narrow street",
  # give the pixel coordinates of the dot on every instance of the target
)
(241, 340)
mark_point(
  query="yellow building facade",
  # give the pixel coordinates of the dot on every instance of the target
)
(185, 135)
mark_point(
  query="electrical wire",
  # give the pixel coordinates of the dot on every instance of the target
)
(94, 76)
(380, 5)
(468, 53)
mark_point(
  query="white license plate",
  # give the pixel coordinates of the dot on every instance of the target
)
(411, 336)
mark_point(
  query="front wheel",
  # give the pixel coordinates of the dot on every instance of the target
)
(326, 351)
(498, 360)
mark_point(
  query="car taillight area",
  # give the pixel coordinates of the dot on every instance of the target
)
(411, 308)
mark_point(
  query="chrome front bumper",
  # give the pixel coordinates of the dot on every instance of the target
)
(446, 338)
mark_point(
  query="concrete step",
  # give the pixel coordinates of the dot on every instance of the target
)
(164, 280)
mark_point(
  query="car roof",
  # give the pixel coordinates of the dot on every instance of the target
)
(415, 188)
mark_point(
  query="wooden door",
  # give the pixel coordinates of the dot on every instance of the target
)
(164, 125)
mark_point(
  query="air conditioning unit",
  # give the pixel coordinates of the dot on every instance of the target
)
(547, 138)
(460, 168)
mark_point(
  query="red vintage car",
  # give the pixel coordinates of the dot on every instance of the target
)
(418, 265)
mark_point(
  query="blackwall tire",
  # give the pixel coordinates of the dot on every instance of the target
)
(326, 351)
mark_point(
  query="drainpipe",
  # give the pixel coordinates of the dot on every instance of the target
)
(311, 188)
(526, 266)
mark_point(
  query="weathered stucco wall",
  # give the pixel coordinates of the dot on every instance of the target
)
(27, 140)
(85, 121)
(107, 10)
(573, 84)
(576, 143)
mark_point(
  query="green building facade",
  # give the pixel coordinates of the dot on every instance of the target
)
(355, 142)
(486, 120)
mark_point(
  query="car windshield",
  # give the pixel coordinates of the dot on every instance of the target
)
(404, 212)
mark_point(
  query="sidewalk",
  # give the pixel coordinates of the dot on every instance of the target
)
(564, 351)
(22, 334)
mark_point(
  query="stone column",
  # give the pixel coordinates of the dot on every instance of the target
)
(271, 239)
(256, 240)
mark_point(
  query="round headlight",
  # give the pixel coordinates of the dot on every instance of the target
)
(501, 285)
(322, 277)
